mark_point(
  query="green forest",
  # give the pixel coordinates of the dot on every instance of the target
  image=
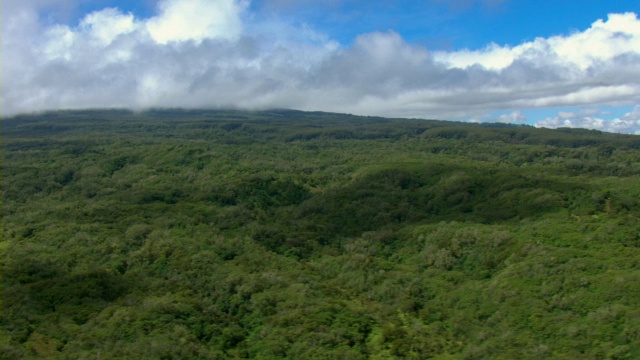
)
(227, 234)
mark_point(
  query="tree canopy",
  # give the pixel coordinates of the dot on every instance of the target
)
(216, 234)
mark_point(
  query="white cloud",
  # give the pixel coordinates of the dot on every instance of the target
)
(182, 20)
(203, 53)
(628, 123)
(492, 57)
(602, 42)
(107, 24)
(566, 115)
(516, 117)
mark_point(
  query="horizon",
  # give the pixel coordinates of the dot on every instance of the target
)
(144, 112)
(470, 61)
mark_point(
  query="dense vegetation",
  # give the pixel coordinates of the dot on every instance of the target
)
(283, 234)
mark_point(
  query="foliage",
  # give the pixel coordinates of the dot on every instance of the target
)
(215, 234)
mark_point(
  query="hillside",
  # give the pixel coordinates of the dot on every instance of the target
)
(215, 234)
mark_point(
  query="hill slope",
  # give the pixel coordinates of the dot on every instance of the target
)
(285, 234)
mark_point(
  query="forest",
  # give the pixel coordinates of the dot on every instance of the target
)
(281, 234)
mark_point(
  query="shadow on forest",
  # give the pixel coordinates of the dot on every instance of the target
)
(432, 193)
(42, 287)
(388, 198)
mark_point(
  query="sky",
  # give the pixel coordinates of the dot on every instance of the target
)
(545, 63)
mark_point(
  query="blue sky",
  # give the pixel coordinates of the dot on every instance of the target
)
(440, 24)
(545, 63)
(451, 24)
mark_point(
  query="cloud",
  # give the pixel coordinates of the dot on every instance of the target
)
(515, 117)
(214, 53)
(106, 25)
(603, 42)
(590, 119)
(196, 20)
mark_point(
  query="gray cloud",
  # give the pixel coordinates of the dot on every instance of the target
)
(112, 59)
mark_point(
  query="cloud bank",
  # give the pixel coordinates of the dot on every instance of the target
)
(213, 53)
(592, 119)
